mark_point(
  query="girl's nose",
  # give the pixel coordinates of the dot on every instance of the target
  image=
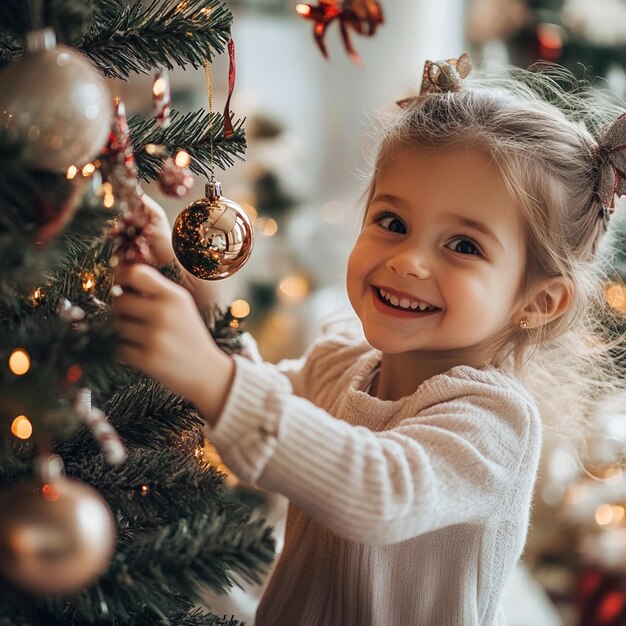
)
(409, 263)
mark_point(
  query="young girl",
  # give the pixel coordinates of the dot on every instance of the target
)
(409, 459)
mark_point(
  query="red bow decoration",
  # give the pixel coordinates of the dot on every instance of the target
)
(364, 16)
(612, 157)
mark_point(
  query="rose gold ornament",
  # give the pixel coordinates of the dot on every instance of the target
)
(58, 101)
(174, 180)
(56, 537)
(212, 237)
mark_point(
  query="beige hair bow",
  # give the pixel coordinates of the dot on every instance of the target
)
(442, 76)
(612, 160)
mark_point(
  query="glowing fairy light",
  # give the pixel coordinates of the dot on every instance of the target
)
(88, 169)
(159, 87)
(182, 159)
(293, 288)
(615, 294)
(240, 309)
(89, 282)
(19, 362)
(72, 170)
(604, 515)
(21, 427)
(267, 226)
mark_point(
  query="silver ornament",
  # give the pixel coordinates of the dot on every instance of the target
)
(56, 99)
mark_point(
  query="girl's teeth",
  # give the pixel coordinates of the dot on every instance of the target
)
(405, 303)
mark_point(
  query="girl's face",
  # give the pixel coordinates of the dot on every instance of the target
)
(438, 264)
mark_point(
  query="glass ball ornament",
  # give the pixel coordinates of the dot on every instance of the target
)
(56, 537)
(212, 237)
(57, 100)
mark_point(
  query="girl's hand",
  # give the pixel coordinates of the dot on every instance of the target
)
(162, 334)
(159, 233)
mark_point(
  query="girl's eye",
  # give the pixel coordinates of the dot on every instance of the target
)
(392, 223)
(463, 245)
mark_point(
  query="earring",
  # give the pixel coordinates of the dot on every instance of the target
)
(523, 323)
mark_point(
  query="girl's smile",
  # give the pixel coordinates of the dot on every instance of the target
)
(400, 304)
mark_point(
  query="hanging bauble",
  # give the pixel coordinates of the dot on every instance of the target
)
(56, 99)
(174, 180)
(212, 237)
(55, 537)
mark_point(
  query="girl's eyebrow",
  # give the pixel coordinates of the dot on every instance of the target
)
(385, 197)
(479, 226)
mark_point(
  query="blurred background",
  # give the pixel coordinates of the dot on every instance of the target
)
(311, 125)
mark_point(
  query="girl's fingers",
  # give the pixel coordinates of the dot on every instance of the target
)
(131, 305)
(142, 279)
(131, 354)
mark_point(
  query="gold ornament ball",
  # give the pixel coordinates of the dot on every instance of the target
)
(212, 238)
(56, 99)
(54, 538)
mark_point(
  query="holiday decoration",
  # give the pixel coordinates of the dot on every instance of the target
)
(212, 237)
(364, 16)
(130, 243)
(161, 98)
(110, 442)
(56, 535)
(174, 180)
(55, 98)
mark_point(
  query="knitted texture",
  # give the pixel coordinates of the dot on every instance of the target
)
(401, 512)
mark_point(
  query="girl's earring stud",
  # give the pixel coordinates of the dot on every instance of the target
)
(523, 323)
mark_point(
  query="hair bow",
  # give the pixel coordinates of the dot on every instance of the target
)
(612, 160)
(442, 76)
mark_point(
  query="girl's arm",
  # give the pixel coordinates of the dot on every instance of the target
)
(456, 460)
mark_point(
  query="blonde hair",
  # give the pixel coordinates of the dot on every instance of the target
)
(542, 141)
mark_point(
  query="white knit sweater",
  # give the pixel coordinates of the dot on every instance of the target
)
(407, 512)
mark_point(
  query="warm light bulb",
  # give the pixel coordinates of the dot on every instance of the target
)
(21, 427)
(88, 169)
(240, 309)
(159, 87)
(604, 514)
(19, 362)
(303, 9)
(615, 295)
(72, 170)
(182, 159)
(267, 226)
(293, 288)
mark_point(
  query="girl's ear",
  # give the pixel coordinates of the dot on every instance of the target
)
(550, 299)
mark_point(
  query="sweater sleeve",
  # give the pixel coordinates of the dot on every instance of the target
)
(453, 462)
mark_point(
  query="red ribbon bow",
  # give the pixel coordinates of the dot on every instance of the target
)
(364, 16)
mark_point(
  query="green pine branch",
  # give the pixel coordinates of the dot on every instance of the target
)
(199, 133)
(131, 37)
(177, 484)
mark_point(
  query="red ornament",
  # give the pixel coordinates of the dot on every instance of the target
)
(364, 16)
(174, 180)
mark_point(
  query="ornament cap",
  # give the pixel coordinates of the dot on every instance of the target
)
(38, 40)
(213, 189)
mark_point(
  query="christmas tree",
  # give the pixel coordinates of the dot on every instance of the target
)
(108, 512)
